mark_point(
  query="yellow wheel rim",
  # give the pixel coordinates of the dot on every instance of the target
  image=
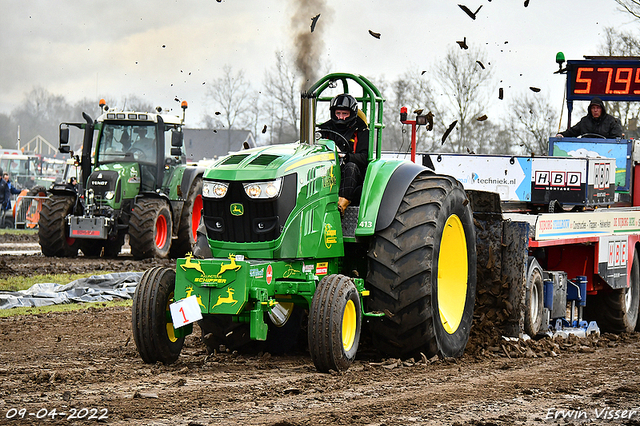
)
(171, 332)
(349, 324)
(452, 274)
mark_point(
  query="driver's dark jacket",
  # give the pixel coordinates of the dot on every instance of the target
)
(358, 136)
(606, 125)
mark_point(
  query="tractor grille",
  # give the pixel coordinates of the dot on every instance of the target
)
(102, 181)
(261, 220)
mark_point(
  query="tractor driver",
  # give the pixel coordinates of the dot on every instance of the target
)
(597, 122)
(351, 135)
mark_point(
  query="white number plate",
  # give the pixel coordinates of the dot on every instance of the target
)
(185, 311)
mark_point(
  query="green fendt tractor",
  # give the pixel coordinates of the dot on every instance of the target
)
(404, 259)
(134, 181)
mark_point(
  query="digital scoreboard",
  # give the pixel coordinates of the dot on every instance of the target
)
(608, 79)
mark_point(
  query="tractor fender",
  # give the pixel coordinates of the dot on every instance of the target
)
(384, 187)
(189, 175)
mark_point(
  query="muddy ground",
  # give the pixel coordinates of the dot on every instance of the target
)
(85, 364)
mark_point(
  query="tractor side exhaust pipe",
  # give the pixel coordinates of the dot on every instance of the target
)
(307, 118)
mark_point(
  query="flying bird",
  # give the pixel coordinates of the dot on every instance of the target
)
(471, 14)
(482, 117)
(422, 73)
(500, 93)
(481, 64)
(446, 133)
(314, 21)
(264, 129)
(217, 113)
(376, 35)
(534, 89)
(463, 44)
(526, 3)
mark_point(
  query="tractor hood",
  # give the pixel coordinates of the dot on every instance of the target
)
(270, 162)
(121, 178)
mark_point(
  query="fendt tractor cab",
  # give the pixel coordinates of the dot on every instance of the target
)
(404, 259)
(133, 180)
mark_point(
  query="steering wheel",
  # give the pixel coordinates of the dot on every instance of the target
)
(592, 135)
(337, 146)
(137, 154)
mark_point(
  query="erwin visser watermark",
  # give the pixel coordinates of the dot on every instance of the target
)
(604, 413)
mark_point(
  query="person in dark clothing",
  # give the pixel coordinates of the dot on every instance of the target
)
(597, 121)
(351, 135)
(6, 189)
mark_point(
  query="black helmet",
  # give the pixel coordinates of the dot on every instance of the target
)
(347, 102)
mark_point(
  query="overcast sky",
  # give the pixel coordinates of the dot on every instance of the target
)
(162, 49)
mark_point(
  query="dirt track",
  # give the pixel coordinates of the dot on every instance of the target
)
(87, 359)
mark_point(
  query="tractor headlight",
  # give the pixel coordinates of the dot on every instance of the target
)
(109, 195)
(214, 189)
(269, 189)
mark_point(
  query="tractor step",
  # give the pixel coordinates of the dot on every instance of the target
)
(350, 221)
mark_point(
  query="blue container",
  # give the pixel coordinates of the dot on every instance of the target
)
(548, 294)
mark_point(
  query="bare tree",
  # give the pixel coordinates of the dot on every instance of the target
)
(283, 93)
(620, 43)
(630, 6)
(532, 121)
(466, 87)
(230, 97)
(40, 115)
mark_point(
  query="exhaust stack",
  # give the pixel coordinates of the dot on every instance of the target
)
(307, 118)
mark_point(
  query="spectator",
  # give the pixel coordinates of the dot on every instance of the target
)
(6, 189)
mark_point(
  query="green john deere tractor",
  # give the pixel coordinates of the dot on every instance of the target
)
(134, 180)
(403, 260)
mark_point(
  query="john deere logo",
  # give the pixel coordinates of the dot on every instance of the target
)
(237, 209)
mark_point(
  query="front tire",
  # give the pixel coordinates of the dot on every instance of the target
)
(150, 228)
(53, 231)
(335, 321)
(151, 322)
(422, 272)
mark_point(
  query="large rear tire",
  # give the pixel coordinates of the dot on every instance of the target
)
(335, 321)
(189, 221)
(150, 228)
(422, 272)
(617, 310)
(53, 230)
(151, 321)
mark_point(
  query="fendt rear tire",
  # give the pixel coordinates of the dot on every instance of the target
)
(150, 228)
(617, 310)
(151, 322)
(189, 221)
(335, 322)
(422, 272)
(53, 230)
(534, 303)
